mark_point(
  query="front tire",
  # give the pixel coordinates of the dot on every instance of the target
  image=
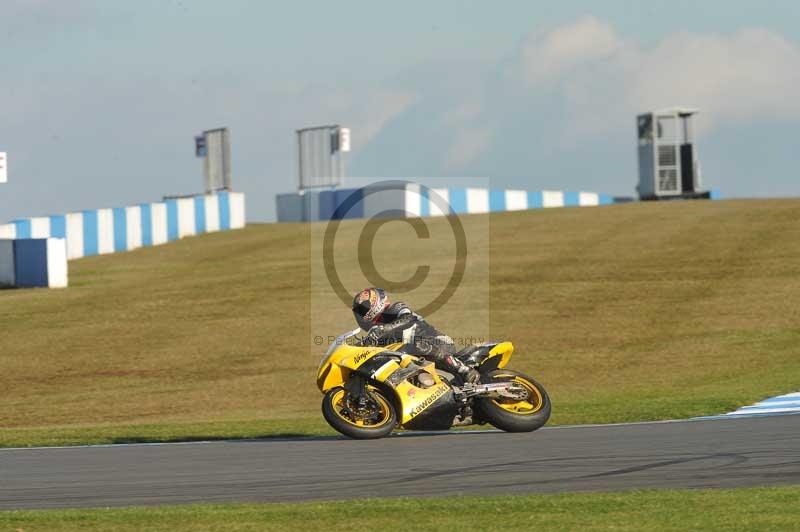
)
(376, 420)
(510, 415)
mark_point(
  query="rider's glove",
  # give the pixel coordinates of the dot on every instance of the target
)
(374, 335)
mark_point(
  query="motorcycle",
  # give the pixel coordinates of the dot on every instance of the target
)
(370, 390)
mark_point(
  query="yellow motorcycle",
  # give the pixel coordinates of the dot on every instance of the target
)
(371, 390)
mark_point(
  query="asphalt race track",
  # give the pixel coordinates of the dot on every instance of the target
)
(688, 454)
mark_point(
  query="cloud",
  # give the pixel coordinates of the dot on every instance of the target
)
(748, 74)
(137, 134)
(468, 145)
(546, 56)
(559, 109)
(605, 80)
(375, 110)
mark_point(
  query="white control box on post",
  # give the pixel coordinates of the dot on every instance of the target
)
(668, 166)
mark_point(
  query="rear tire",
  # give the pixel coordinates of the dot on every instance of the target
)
(515, 416)
(381, 422)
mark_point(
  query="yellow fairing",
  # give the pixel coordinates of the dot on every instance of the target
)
(335, 370)
(330, 376)
(416, 400)
(503, 350)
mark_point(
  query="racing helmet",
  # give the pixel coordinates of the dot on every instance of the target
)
(368, 306)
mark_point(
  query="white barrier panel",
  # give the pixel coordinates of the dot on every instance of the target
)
(133, 227)
(40, 227)
(477, 200)
(105, 231)
(158, 212)
(7, 263)
(8, 231)
(552, 198)
(74, 222)
(237, 210)
(516, 200)
(413, 200)
(57, 263)
(212, 214)
(186, 221)
(588, 199)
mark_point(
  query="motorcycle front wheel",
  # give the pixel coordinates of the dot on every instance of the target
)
(374, 419)
(512, 415)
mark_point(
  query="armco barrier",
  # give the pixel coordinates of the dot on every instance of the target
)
(101, 231)
(411, 200)
(31, 248)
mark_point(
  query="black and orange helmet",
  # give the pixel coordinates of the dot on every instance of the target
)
(368, 306)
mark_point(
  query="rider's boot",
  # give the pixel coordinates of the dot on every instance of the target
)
(457, 367)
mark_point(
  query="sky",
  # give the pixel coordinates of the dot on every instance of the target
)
(100, 100)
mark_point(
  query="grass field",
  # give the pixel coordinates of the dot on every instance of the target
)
(627, 312)
(749, 509)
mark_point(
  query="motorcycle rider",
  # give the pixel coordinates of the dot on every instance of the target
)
(386, 322)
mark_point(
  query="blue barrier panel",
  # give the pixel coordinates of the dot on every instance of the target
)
(58, 226)
(535, 200)
(224, 211)
(120, 229)
(715, 195)
(30, 262)
(424, 203)
(327, 204)
(605, 199)
(355, 203)
(199, 214)
(458, 200)
(90, 234)
(572, 199)
(147, 224)
(172, 220)
(289, 207)
(23, 228)
(497, 200)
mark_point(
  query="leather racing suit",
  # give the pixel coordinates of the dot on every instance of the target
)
(399, 323)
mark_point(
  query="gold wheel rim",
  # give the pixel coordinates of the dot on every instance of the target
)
(337, 401)
(526, 407)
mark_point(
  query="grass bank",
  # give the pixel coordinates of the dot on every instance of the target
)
(626, 313)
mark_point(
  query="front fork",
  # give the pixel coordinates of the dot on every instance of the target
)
(356, 388)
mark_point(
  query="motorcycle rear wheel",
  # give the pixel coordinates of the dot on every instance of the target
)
(510, 415)
(380, 421)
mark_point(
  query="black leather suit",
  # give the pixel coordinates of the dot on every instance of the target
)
(398, 319)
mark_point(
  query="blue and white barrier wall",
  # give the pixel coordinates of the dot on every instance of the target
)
(34, 251)
(412, 200)
(101, 231)
(33, 262)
